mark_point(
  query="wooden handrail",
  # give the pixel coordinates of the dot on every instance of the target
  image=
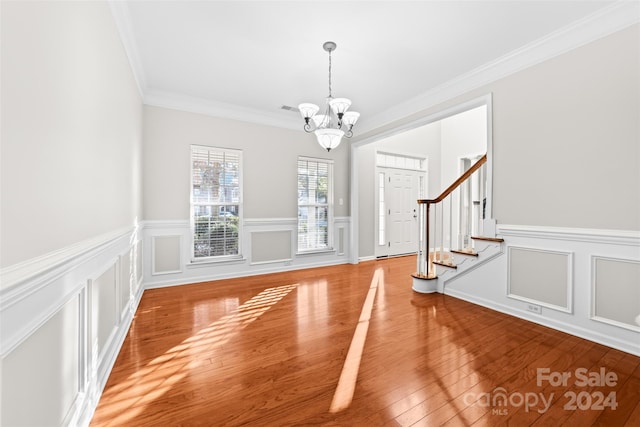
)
(457, 182)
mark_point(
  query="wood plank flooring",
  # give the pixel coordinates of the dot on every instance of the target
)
(269, 351)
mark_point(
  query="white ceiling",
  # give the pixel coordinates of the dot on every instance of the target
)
(245, 59)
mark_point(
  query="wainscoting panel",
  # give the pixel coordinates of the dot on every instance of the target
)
(340, 241)
(267, 245)
(598, 270)
(57, 374)
(167, 252)
(540, 276)
(125, 281)
(130, 263)
(616, 292)
(271, 246)
(137, 251)
(104, 309)
(63, 318)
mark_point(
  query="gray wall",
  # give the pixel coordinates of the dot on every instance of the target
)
(71, 128)
(463, 135)
(365, 224)
(567, 139)
(269, 155)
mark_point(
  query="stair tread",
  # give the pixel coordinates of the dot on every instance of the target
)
(488, 239)
(469, 252)
(445, 264)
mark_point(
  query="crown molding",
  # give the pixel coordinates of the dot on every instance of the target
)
(208, 107)
(120, 12)
(602, 23)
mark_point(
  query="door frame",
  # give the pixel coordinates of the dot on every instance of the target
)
(385, 132)
(382, 251)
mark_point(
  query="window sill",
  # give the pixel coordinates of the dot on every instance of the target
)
(316, 252)
(216, 261)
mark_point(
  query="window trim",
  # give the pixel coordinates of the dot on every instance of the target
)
(193, 260)
(330, 207)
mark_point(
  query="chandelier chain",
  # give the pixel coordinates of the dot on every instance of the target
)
(329, 73)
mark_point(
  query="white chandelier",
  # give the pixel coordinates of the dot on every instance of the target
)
(336, 121)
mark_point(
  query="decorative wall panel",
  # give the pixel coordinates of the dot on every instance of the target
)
(271, 246)
(540, 276)
(166, 254)
(616, 292)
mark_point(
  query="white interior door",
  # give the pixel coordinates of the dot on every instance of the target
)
(402, 193)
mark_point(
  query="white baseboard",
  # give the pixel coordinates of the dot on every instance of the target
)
(600, 338)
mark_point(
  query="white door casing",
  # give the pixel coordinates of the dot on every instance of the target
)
(401, 192)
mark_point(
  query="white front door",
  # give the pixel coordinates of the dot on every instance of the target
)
(402, 190)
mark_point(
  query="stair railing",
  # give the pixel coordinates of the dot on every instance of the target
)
(436, 217)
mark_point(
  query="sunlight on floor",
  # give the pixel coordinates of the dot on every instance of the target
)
(347, 382)
(161, 373)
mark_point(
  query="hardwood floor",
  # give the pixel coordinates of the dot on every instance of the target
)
(269, 351)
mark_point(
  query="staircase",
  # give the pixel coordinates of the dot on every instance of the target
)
(455, 219)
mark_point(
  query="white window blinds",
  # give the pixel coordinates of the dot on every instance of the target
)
(216, 201)
(314, 204)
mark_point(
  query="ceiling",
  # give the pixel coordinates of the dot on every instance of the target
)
(246, 59)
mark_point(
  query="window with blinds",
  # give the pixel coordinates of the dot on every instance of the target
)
(216, 201)
(315, 207)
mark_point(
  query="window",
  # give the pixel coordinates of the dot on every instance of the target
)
(216, 201)
(382, 210)
(315, 204)
(399, 161)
